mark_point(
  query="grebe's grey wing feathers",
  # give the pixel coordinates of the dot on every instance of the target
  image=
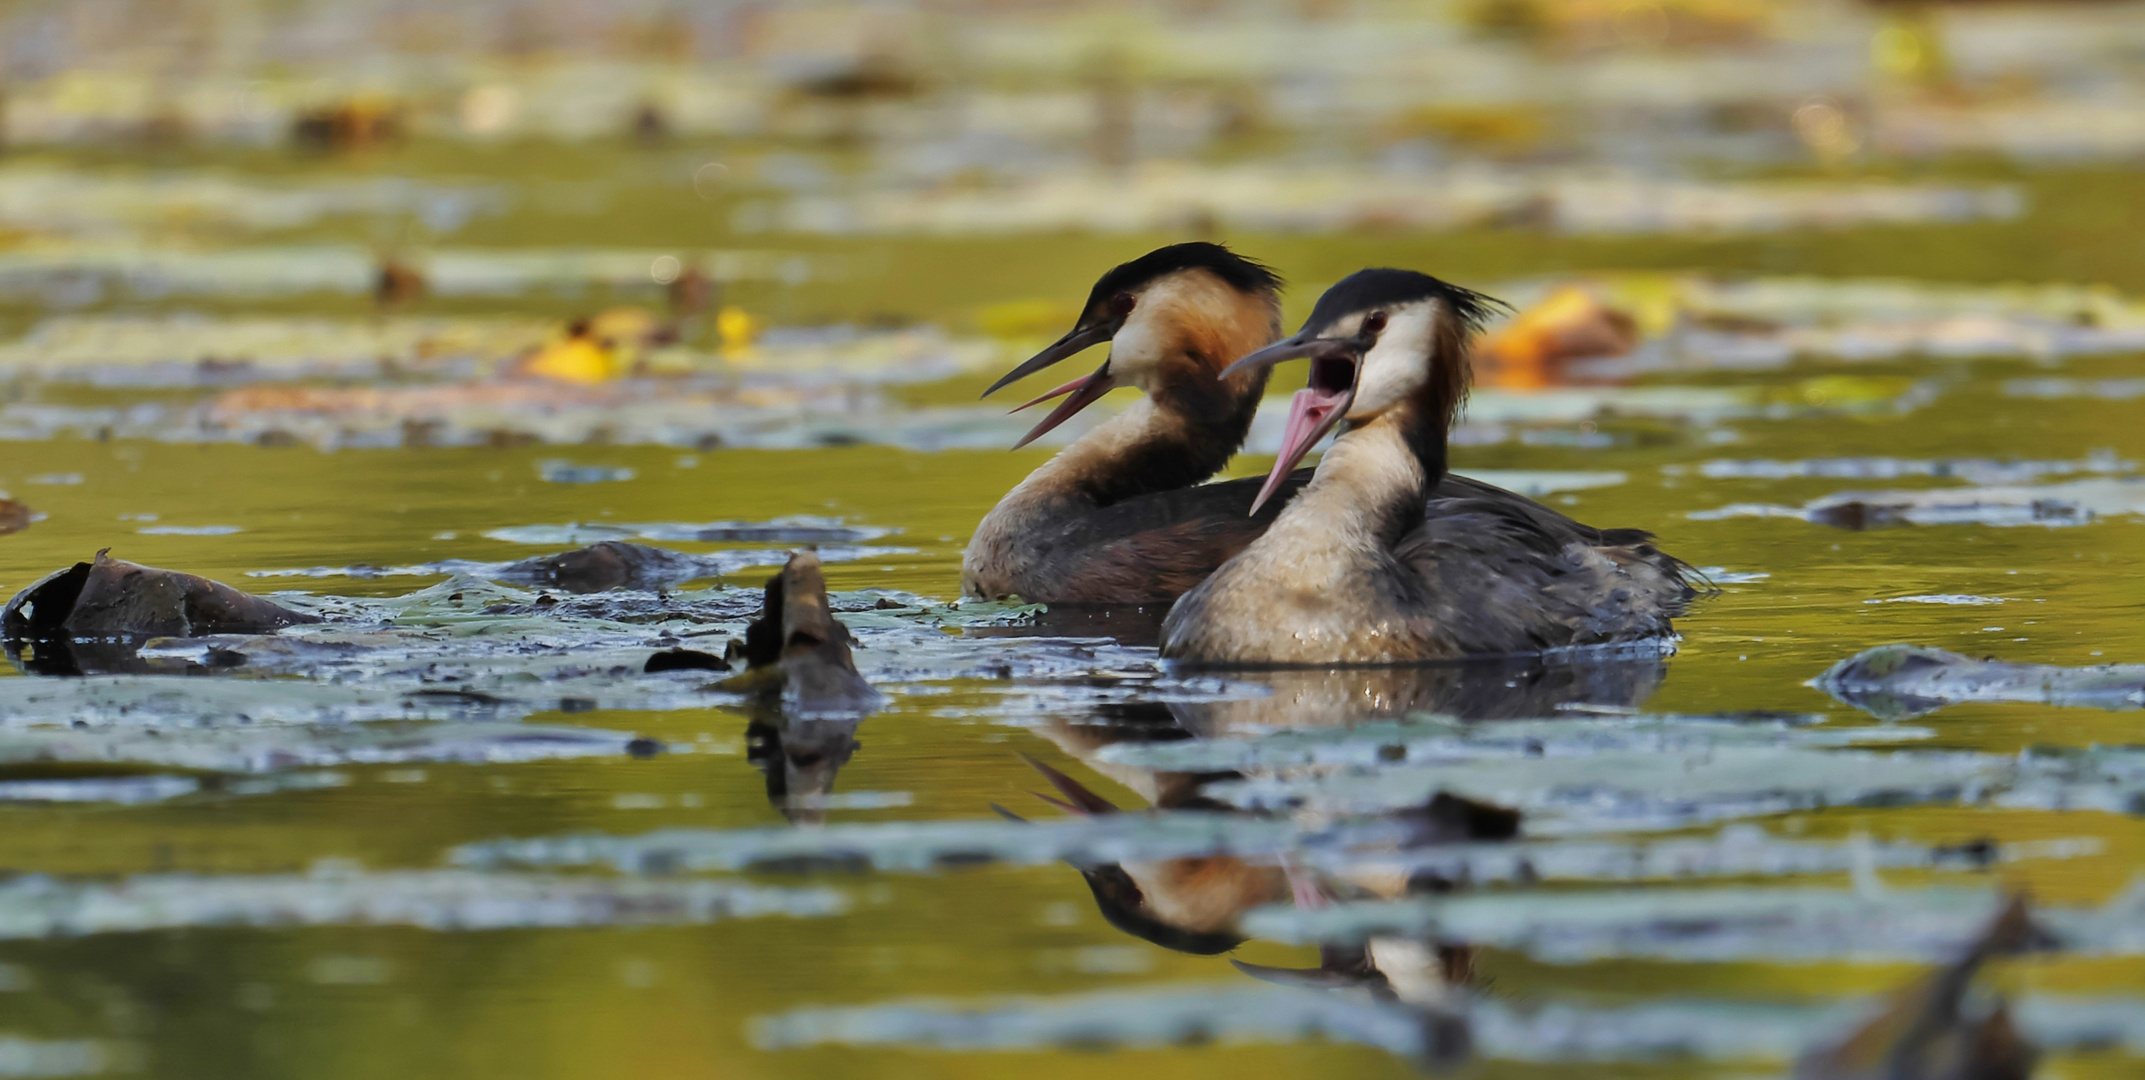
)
(1553, 531)
(1506, 575)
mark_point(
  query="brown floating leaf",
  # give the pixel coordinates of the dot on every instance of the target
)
(14, 516)
(114, 598)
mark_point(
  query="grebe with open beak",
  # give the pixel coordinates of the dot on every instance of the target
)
(1371, 563)
(1116, 518)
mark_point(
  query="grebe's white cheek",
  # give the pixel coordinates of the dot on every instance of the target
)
(1381, 385)
(1136, 349)
(1397, 365)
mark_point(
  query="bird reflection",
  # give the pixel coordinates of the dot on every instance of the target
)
(1194, 904)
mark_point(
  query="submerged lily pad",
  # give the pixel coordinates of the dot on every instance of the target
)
(261, 747)
(1636, 789)
(913, 846)
(35, 906)
(1170, 1015)
(1711, 925)
(801, 529)
(1976, 471)
(2080, 502)
(1667, 1030)
(1426, 739)
(1901, 681)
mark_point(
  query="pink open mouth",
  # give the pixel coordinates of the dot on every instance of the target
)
(1312, 413)
(1084, 391)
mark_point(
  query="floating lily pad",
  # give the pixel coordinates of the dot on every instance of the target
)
(1902, 681)
(34, 906)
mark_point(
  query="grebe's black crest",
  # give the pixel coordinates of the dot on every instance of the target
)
(1242, 274)
(1384, 287)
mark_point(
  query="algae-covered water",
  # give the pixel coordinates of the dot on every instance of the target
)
(455, 830)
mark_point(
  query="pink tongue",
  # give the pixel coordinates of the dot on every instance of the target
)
(1310, 413)
(1060, 391)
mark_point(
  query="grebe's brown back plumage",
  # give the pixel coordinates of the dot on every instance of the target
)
(1382, 558)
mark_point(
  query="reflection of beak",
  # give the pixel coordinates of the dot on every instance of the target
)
(1075, 341)
(1084, 392)
(1336, 363)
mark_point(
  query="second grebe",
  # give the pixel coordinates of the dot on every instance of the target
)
(1372, 563)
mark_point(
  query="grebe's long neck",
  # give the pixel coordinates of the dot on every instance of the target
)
(1368, 492)
(1154, 445)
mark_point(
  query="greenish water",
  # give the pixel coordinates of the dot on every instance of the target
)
(198, 998)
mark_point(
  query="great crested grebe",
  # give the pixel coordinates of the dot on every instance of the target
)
(1115, 518)
(1372, 563)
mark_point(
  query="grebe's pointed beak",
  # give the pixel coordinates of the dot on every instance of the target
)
(1288, 348)
(1075, 341)
(1059, 392)
(1317, 408)
(1082, 393)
